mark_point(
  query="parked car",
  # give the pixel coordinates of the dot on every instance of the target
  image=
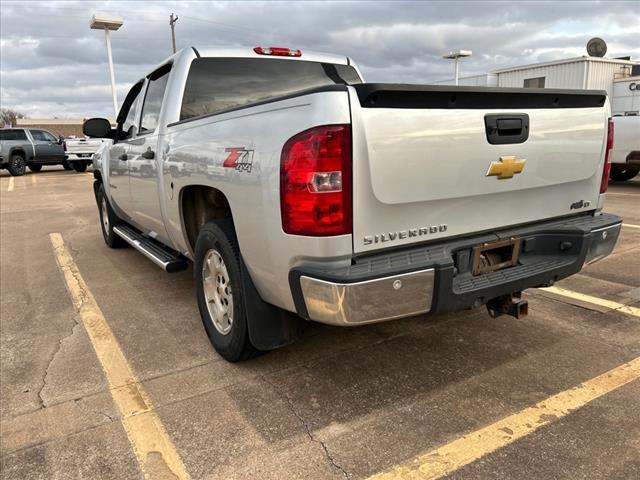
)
(625, 158)
(29, 147)
(80, 152)
(314, 195)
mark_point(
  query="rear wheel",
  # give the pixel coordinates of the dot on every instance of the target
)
(17, 165)
(108, 220)
(35, 167)
(80, 166)
(219, 291)
(622, 173)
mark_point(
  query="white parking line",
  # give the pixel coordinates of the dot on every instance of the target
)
(10, 186)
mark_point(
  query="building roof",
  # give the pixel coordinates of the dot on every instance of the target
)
(49, 121)
(584, 58)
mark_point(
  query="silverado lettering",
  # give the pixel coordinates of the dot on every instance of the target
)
(402, 234)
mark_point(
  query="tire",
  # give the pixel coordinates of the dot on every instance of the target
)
(217, 247)
(66, 165)
(80, 166)
(17, 165)
(622, 173)
(106, 213)
(35, 167)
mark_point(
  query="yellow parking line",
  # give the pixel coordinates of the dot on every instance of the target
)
(471, 447)
(154, 449)
(620, 307)
(622, 194)
(630, 225)
(34, 179)
(10, 186)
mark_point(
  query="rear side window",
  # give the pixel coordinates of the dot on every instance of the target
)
(216, 84)
(12, 135)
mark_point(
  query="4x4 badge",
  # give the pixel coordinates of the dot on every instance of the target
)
(239, 158)
(506, 167)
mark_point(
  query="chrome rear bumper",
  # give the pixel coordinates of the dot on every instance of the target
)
(369, 301)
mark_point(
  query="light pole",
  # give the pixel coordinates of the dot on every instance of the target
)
(172, 24)
(457, 55)
(108, 23)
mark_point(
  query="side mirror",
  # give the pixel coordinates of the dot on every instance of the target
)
(60, 140)
(97, 128)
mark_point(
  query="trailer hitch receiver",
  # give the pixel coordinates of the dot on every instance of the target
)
(508, 305)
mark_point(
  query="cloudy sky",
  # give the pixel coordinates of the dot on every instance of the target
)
(52, 64)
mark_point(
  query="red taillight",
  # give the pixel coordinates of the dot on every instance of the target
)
(64, 146)
(315, 182)
(278, 51)
(604, 183)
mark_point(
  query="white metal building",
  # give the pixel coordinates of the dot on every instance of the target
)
(613, 75)
(625, 98)
(486, 80)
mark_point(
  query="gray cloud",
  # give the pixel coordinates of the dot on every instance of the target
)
(52, 64)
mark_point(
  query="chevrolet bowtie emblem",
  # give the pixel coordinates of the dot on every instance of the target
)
(507, 167)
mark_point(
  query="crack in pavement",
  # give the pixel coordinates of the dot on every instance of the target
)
(308, 431)
(74, 328)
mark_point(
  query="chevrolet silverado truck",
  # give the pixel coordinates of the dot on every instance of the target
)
(312, 195)
(29, 147)
(625, 157)
(80, 152)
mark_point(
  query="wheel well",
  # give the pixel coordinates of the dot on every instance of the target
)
(18, 151)
(97, 176)
(633, 156)
(198, 205)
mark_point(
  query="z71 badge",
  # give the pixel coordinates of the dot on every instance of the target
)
(239, 158)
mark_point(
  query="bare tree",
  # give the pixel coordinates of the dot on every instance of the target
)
(9, 117)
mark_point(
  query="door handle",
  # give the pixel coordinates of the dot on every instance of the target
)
(123, 157)
(149, 154)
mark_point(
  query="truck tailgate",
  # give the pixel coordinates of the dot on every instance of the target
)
(431, 162)
(81, 145)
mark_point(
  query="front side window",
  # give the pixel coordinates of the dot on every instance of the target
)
(216, 84)
(153, 100)
(127, 127)
(38, 135)
(48, 137)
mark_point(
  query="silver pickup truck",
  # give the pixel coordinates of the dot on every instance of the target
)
(29, 147)
(298, 191)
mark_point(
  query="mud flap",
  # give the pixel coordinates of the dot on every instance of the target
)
(269, 327)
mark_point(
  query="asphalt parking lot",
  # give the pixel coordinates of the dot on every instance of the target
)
(487, 398)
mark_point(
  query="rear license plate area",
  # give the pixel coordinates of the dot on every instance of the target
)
(497, 255)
